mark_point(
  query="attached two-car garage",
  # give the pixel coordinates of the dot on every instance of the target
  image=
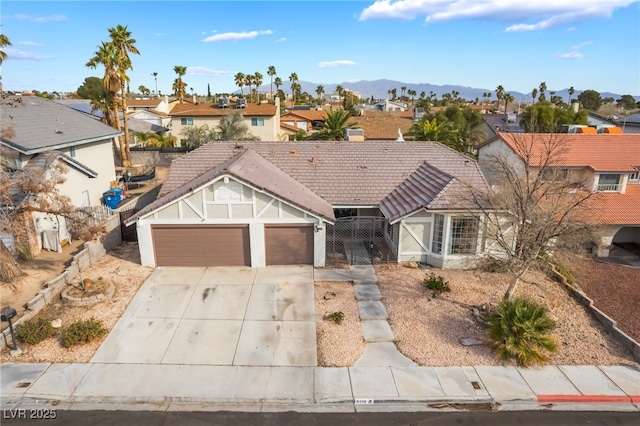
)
(230, 245)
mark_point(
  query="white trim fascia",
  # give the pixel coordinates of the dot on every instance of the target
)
(195, 210)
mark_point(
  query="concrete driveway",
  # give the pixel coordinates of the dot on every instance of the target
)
(218, 316)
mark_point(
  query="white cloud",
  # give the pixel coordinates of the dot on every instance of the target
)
(40, 19)
(333, 64)
(523, 16)
(580, 45)
(21, 54)
(159, 34)
(207, 72)
(27, 43)
(281, 39)
(233, 36)
(570, 55)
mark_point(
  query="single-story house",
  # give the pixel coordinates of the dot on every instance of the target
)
(266, 203)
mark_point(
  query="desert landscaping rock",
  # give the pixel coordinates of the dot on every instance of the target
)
(56, 323)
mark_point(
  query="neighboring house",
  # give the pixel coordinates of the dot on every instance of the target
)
(304, 119)
(389, 105)
(266, 203)
(156, 104)
(608, 163)
(378, 125)
(45, 131)
(262, 120)
(158, 121)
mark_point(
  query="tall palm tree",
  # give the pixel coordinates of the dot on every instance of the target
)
(257, 80)
(278, 82)
(293, 78)
(508, 97)
(339, 89)
(248, 81)
(271, 72)
(534, 94)
(181, 71)
(571, 92)
(121, 39)
(105, 55)
(499, 94)
(155, 77)
(239, 80)
(334, 126)
(543, 88)
(320, 91)
(4, 42)
(403, 89)
(394, 93)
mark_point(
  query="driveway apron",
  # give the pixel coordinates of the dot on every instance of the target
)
(218, 316)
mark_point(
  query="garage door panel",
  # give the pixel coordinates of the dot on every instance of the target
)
(289, 244)
(201, 245)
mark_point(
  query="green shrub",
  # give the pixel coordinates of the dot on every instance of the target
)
(336, 317)
(520, 330)
(565, 272)
(82, 331)
(437, 284)
(34, 331)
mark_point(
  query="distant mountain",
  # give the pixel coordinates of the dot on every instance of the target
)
(379, 90)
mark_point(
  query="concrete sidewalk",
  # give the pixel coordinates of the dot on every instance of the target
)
(308, 389)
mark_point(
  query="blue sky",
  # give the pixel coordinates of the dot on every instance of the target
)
(587, 44)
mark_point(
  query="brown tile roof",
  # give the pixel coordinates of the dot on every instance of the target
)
(311, 115)
(251, 168)
(143, 102)
(209, 109)
(342, 173)
(612, 208)
(382, 127)
(599, 152)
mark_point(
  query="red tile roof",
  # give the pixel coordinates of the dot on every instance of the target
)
(599, 152)
(209, 109)
(143, 102)
(612, 208)
(311, 115)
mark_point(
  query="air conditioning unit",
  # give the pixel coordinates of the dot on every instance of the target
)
(241, 103)
(354, 135)
(223, 103)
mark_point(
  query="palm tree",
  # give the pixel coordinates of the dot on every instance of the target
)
(293, 78)
(508, 97)
(339, 90)
(178, 86)
(402, 90)
(239, 80)
(106, 56)
(278, 82)
(181, 71)
(248, 81)
(121, 39)
(142, 89)
(499, 94)
(571, 92)
(427, 129)
(335, 125)
(155, 77)
(534, 94)
(104, 105)
(543, 88)
(521, 331)
(394, 93)
(4, 42)
(271, 72)
(320, 91)
(257, 80)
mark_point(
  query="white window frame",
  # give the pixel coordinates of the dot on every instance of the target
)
(257, 121)
(186, 121)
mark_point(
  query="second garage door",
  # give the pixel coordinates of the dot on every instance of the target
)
(289, 244)
(201, 245)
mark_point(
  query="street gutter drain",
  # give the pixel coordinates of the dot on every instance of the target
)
(23, 385)
(476, 385)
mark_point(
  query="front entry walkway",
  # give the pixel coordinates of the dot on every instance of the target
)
(218, 316)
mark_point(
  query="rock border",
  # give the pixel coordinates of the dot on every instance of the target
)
(90, 300)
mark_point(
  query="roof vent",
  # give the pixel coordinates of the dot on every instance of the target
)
(241, 103)
(223, 103)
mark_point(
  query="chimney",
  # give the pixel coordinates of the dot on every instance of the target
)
(193, 98)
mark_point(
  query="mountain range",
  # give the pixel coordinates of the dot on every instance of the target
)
(379, 90)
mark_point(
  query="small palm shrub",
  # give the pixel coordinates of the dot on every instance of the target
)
(437, 284)
(82, 331)
(34, 331)
(520, 330)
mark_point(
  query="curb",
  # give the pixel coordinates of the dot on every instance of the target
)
(623, 399)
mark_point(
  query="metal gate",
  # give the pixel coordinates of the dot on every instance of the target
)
(129, 233)
(360, 240)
